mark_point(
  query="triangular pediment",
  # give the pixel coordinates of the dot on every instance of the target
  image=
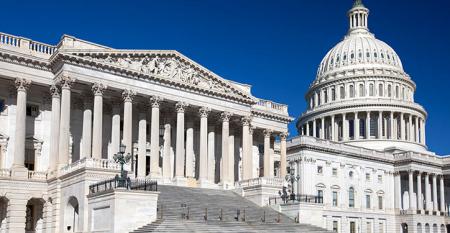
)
(169, 67)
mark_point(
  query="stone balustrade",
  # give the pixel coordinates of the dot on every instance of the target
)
(5, 172)
(25, 45)
(34, 175)
(90, 163)
(271, 106)
(277, 182)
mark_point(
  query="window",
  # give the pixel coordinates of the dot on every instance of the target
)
(351, 198)
(352, 227)
(369, 227)
(333, 94)
(319, 169)
(380, 178)
(335, 198)
(2, 105)
(368, 201)
(380, 202)
(342, 90)
(373, 126)
(334, 171)
(362, 91)
(371, 90)
(352, 91)
(350, 174)
(319, 99)
(381, 227)
(32, 110)
(335, 226)
(319, 196)
(397, 92)
(325, 96)
(389, 91)
(380, 90)
(362, 127)
(367, 176)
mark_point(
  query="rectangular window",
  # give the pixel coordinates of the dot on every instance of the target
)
(334, 171)
(352, 227)
(2, 105)
(367, 176)
(32, 110)
(335, 198)
(319, 196)
(380, 202)
(333, 94)
(369, 227)
(335, 226)
(368, 201)
(381, 227)
(319, 169)
(380, 178)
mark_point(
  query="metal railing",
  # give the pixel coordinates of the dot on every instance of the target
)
(111, 184)
(298, 198)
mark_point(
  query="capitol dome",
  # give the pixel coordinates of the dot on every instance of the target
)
(362, 95)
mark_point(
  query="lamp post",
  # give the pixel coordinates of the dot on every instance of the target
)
(291, 177)
(120, 158)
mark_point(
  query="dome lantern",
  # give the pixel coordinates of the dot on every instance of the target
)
(358, 16)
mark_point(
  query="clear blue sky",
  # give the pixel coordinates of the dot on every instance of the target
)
(274, 45)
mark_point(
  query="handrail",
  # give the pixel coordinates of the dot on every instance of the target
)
(116, 182)
(297, 198)
(26, 45)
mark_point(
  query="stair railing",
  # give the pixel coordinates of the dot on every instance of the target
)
(221, 215)
(206, 214)
(243, 219)
(238, 214)
(263, 219)
(278, 220)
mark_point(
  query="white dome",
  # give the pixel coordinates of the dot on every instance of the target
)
(359, 50)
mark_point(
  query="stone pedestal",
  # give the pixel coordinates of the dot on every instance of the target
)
(259, 190)
(19, 172)
(121, 210)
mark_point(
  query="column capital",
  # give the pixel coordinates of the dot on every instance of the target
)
(267, 133)
(251, 130)
(181, 107)
(284, 135)
(204, 112)
(246, 120)
(54, 91)
(65, 81)
(128, 95)
(419, 173)
(98, 88)
(225, 116)
(22, 84)
(155, 101)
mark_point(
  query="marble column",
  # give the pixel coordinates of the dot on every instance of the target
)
(142, 141)
(442, 193)
(368, 125)
(402, 127)
(424, 135)
(211, 153)
(154, 137)
(86, 138)
(308, 131)
(315, 128)
(127, 96)
(179, 147)
(252, 167)
(64, 128)
(283, 158)
(391, 128)
(115, 127)
(166, 163)
(356, 126)
(332, 129)
(344, 127)
(231, 154)
(380, 125)
(398, 190)
(97, 129)
(203, 173)
(267, 135)
(322, 128)
(428, 193)
(411, 189)
(247, 159)
(416, 129)
(419, 191)
(410, 129)
(54, 133)
(435, 201)
(226, 160)
(22, 85)
(189, 148)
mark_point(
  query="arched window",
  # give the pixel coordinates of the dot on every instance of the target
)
(397, 94)
(389, 90)
(371, 89)
(342, 92)
(352, 91)
(362, 91)
(419, 228)
(319, 99)
(380, 90)
(404, 94)
(351, 197)
(345, 57)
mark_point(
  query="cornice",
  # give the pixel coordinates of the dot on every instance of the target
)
(272, 116)
(24, 60)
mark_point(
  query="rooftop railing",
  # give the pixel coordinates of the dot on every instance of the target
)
(271, 106)
(26, 46)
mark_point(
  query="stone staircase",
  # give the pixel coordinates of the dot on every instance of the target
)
(216, 203)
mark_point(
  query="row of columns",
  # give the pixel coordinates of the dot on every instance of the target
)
(93, 127)
(431, 191)
(389, 125)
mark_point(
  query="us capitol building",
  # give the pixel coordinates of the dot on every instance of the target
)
(359, 164)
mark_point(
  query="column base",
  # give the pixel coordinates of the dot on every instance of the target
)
(204, 183)
(226, 185)
(19, 172)
(180, 181)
